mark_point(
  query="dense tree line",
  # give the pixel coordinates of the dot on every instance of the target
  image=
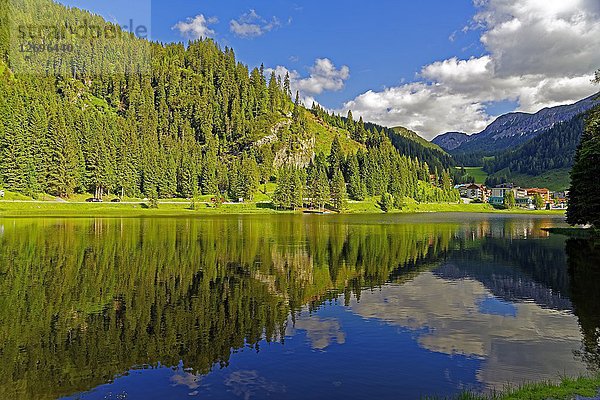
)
(139, 119)
(379, 171)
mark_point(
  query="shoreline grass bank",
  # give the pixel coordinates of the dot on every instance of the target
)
(184, 209)
(585, 387)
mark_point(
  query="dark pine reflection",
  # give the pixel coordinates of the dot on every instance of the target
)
(584, 268)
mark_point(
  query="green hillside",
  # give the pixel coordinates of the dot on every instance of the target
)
(117, 114)
(407, 133)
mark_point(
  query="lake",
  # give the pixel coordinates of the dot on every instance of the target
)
(292, 306)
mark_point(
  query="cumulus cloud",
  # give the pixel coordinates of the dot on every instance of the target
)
(539, 54)
(196, 27)
(251, 25)
(323, 76)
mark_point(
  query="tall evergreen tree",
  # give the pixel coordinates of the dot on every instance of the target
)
(336, 157)
(584, 194)
(338, 191)
(356, 187)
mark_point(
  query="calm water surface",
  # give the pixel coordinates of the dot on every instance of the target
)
(292, 307)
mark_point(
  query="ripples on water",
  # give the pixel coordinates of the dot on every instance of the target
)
(291, 306)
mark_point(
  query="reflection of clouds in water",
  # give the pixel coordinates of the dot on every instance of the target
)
(320, 331)
(182, 378)
(186, 379)
(249, 384)
(532, 344)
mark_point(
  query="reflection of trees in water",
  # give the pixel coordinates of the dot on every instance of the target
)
(83, 300)
(515, 270)
(584, 268)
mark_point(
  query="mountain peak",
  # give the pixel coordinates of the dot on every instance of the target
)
(514, 128)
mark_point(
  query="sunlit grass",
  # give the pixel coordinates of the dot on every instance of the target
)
(566, 389)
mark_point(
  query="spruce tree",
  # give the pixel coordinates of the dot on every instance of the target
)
(321, 189)
(356, 188)
(336, 157)
(209, 171)
(338, 191)
(63, 163)
(584, 193)
(387, 202)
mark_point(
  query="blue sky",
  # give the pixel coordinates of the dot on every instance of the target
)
(431, 65)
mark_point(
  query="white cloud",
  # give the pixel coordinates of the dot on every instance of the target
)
(252, 25)
(540, 53)
(196, 27)
(323, 76)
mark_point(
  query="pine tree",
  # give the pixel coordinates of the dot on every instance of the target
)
(387, 202)
(209, 171)
(584, 195)
(250, 177)
(287, 87)
(282, 197)
(63, 163)
(336, 157)
(318, 185)
(338, 191)
(356, 188)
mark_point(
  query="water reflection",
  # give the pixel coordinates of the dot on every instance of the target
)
(83, 301)
(527, 343)
(584, 268)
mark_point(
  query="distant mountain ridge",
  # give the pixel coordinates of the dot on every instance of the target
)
(450, 140)
(513, 129)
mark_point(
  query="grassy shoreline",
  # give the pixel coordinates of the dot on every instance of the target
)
(567, 388)
(183, 209)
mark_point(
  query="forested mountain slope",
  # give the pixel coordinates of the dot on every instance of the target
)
(124, 115)
(554, 149)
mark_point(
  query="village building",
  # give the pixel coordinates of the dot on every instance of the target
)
(545, 193)
(473, 191)
(523, 197)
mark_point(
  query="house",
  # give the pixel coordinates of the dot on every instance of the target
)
(525, 202)
(545, 193)
(522, 199)
(473, 191)
(560, 199)
(498, 192)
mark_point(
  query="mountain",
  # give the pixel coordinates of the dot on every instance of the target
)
(543, 161)
(450, 140)
(513, 129)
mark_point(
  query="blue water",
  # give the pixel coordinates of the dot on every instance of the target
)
(374, 360)
(292, 307)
